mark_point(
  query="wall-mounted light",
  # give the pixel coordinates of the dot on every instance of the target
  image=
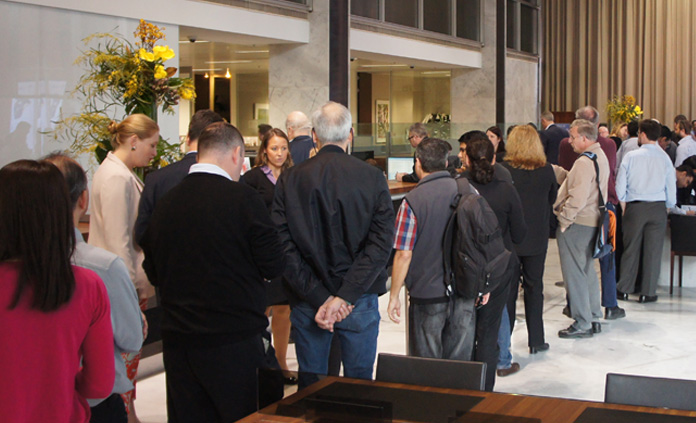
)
(228, 75)
(206, 75)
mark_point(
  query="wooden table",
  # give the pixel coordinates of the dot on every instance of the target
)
(502, 407)
(396, 187)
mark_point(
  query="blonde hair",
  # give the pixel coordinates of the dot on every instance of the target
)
(524, 149)
(617, 128)
(138, 124)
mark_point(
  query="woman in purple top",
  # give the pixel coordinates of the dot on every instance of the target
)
(272, 159)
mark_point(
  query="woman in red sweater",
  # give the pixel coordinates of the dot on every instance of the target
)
(57, 342)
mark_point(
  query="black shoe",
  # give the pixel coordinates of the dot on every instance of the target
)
(621, 296)
(573, 332)
(566, 311)
(538, 348)
(613, 313)
(596, 327)
(647, 298)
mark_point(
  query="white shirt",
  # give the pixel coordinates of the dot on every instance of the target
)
(209, 168)
(686, 149)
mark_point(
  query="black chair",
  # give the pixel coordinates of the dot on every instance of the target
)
(683, 233)
(650, 391)
(431, 372)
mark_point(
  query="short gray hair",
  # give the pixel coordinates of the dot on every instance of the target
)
(298, 121)
(585, 128)
(547, 115)
(419, 130)
(332, 123)
(588, 113)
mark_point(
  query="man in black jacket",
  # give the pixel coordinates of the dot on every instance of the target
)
(301, 144)
(161, 181)
(209, 246)
(336, 224)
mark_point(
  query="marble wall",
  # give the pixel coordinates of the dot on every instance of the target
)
(298, 75)
(473, 90)
(521, 91)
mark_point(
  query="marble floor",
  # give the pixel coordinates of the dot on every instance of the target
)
(656, 339)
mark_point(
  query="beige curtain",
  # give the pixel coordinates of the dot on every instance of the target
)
(595, 49)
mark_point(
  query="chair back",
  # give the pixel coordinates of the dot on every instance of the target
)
(683, 230)
(438, 373)
(650, 391)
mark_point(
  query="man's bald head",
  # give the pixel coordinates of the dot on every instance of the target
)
(297, 123)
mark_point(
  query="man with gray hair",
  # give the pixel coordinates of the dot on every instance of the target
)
(298, 128)
(337, 237)
(607, 264)
(416, 133)
(577, 209)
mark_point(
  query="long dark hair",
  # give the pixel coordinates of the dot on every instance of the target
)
(36, 230)
(262, 159)
(498, 133)
(480, 153)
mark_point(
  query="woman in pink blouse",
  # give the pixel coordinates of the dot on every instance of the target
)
(57, 342)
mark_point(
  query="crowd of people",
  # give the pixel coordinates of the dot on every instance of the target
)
(305, 237)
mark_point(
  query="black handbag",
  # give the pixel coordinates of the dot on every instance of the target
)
(601, 245)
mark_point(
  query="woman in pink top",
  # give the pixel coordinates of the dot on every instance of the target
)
(57, 342)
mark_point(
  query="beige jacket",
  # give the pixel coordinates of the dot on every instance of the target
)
(114, 208)
(578, 197)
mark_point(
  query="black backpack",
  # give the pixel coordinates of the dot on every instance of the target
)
(475, 256)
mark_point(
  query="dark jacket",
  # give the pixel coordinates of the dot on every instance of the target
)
(209, 246)
(537, 190)
(258, 180)
(157, 184)
(336, 223)
(551, 139)
(413, 176)
(300, 147)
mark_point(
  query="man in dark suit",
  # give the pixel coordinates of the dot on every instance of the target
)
(416, 133)
(209, 246)
(161, 181)
(337, 237)
(551, 137)
(298, 128)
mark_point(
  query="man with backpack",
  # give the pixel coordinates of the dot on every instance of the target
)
(577, 208)
(441, 324)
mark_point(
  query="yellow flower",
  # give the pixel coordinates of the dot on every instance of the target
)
(146, 55)
(160, 72)
(638, 110)
(186, 93)
(163, 52)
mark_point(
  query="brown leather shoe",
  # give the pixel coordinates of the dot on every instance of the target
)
(514, 368)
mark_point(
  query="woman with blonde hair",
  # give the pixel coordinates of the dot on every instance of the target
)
(272, 159)
(114, 208)
(536, 185)
(619, 134)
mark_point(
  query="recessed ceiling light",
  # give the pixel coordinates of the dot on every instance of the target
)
(251, 51)
(207, 70)
(383, 66)
(229, 61)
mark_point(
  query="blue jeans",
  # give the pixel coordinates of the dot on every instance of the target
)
(357, 334)
(607, 266)
(504, 335)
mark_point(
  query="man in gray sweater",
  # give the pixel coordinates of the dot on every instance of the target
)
(126, 318)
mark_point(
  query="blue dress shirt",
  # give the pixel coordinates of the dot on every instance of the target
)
(647, 174)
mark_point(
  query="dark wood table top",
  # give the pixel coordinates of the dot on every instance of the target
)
(487, 406)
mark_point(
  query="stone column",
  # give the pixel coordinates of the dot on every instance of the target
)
(473, 90)
(298, 75)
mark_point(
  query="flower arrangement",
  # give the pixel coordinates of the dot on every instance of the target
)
(623, 109)
(122, 77)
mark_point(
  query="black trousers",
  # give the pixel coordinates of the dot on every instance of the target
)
(488, 323)
(111, 410)
(532, 269)
(214, 384)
